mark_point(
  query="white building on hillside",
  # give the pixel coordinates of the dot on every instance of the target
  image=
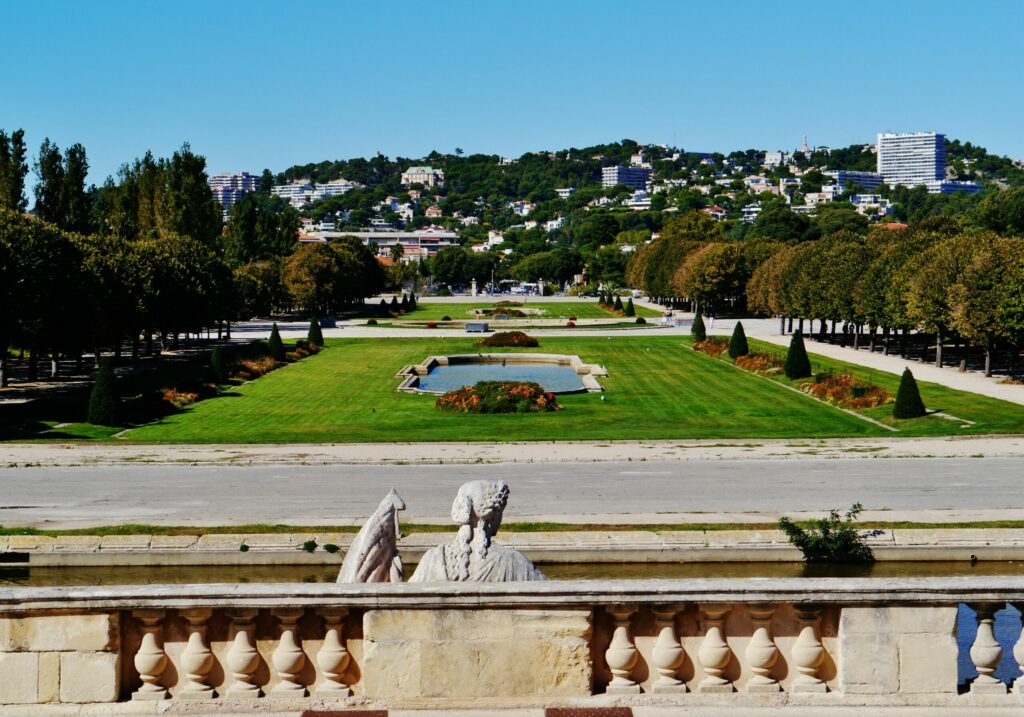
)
(427, 176)
(228, 188)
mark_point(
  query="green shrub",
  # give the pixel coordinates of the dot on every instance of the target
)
(218, 366)
(509, 338)
(243, 548)
(315, 335)
(104, 403)
(371, 322)
(499, 397)
(908, 398)
(738, 343)
(618, 303)
(830, 540)
(797, 363)
(405, 303)
(630, 309)
(331, 548)
(446, 318)
(275, 344)
(309, 546)
(641, 320)
(382, 309)
(697, 331)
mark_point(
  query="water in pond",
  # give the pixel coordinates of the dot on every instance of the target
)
(552, 377)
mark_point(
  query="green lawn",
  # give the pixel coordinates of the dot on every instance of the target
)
(989, 415)
(657, 388)
(554, 309)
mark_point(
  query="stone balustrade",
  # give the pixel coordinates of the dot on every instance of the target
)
(826, 642)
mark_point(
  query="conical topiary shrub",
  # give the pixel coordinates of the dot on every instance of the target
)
(738, 343)
(275, 344)
(412, 302)
(698, 331)
(315, 335)
(104, 403)
(384, 308)
(405, 303)
(630, 310)
(908, 398)
(218, 366)
(618, 303)
(797, 363)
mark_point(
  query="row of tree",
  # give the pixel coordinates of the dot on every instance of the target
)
(934, 277)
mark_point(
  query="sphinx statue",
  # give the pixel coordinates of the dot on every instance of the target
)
(471, 557)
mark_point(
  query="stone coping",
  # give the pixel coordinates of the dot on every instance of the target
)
(562, 593)
(587, 372)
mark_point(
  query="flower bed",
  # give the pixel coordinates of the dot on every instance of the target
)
(764, 364)
(499, 397)
(712, 347)
(509, 338)
(514, 313)
(846, 391)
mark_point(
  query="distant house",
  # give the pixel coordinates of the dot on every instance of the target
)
(750, 212)
(427, 176)
(565, 192)
(717, 213)
(434, 212)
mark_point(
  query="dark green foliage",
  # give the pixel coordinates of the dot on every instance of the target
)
(630, 309)
(394, 303)
(797, 363)
(331, 548)
(618, 303)
(412, 302)
(405, 303)
(383, 309)
(641, 320)
(243, 548)
(446, 317)
(830, 540)
(275, 344)
(697, 331)
(309, 546)
(104, 403)
(218, 366)
(371, 322)
(908, 398)
(738, 343)
(315, 335)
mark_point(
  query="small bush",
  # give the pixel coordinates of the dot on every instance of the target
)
(309, 546)
(104, 403)
(618, 303)
(712, 347)
(738, 343)
(761, 363)
(292, 356)
(275, 344)
(572, 318)
(509, 338)
(846, 391)
(640, 320)
(178, 399)
(371, 322)
(243, 548)
(382, 309)
(630, 309)
(797, 363)
(697, 331)
(570, 324)
(254, 368)
(431, 324)
(908, 398)
(446, 318)
(832, 539)
(499, 397)
(331, 548)
(315, 335)
(218, 365)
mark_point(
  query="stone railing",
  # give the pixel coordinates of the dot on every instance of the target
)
(827, 642)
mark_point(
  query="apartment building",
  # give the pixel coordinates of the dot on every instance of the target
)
(633, 177)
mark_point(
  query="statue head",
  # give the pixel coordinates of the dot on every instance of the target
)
(478, 508)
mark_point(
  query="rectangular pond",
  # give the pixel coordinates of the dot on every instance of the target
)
(554, 378)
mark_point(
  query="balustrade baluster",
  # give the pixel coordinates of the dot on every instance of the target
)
(714, 652)
(150, 660)
(761, 652)
(667, 654)
(288, 657)
(621, 655)
(1018, 652)
(242, 658)
(333, 658)
(196, 659)
(986, 652)
(808, 652)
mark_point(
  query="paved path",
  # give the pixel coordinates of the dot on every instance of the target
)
(614, 492)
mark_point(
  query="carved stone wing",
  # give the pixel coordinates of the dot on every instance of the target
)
(373, 556)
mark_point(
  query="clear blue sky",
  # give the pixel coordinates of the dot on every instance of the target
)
(271, 84)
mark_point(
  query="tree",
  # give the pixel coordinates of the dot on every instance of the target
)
(275, 344)
(315, 335)
(49, 168)
(777, 223)
(630, 309)
(218, 366)
(104, 403)
(76, 201)
(908, 398)
(187, 206)
(797, 364)
(13, 168)
(259, 228)
(697, 330)
(310, 276)
(738, 342)
(712, 275)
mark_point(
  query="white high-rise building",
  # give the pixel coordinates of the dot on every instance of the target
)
(911, 158)
(228, 188)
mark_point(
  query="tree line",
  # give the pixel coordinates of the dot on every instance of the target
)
(937, 279)
(147, 258)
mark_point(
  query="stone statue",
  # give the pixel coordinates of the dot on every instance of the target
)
(373, 556)
(470, 557)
